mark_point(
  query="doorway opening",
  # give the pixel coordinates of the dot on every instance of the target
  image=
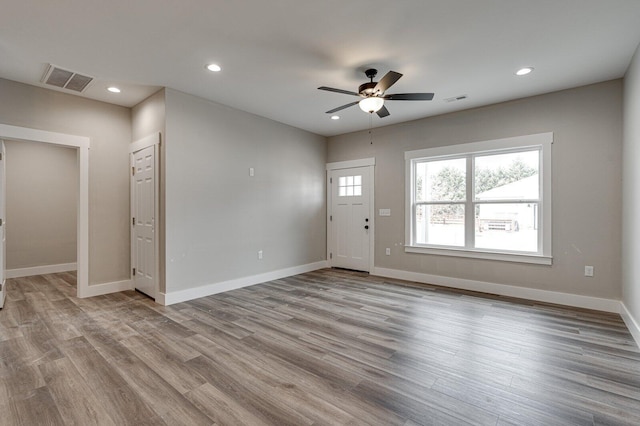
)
(81, 145)
(41, 208)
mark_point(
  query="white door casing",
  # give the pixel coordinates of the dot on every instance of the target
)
(350, 219)
(82, 144)
(144, 215)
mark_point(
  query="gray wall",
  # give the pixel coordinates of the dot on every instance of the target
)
(587, 160)
(42, 204)
(109, 128)
(217, 217)
(148, 116)
(631, 206)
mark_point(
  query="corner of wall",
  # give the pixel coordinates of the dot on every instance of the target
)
(632, 324)
(631, 197)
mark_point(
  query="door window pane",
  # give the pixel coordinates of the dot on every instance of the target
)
(350, 186)
(441, 224)
(502, 226)
(442, 180)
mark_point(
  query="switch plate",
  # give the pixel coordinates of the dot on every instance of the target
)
(251, 172)
(588, 271)
(385, 212)
(259, 254)
(388, 251)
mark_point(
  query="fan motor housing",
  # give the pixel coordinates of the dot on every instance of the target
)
(366, 89)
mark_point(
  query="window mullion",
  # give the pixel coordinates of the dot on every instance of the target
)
(414, 197)
(469, 210)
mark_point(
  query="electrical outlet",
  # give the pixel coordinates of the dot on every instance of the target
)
(259, 254)
(251, 172)
(588, 271)
(388, 251)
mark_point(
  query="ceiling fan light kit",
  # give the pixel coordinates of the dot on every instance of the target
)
(371, 104)
(374, 96)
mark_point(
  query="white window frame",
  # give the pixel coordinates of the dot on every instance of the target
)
(542, 141)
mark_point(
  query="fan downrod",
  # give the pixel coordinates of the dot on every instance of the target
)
(371, 73)
(366, 89)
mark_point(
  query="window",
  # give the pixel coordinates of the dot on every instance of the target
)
(489, 200)
(350, 186)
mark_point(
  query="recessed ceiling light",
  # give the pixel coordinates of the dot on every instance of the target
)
(335, 117)
(524, 71)
(114, 89)
(214, 67)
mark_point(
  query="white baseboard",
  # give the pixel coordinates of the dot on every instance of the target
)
(578, 301)
(220, 287)
(106, 288)
(632, 324)
(40, 270)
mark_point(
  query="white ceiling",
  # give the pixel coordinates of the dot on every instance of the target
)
(276, 53)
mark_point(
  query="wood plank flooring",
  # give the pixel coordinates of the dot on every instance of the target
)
(329, 347)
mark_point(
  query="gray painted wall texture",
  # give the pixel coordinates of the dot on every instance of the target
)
(631, 210)
(42, 204)
(109, 128)
(217, 216)
(587, 187)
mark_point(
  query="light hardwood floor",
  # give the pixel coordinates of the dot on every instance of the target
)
(329, 347)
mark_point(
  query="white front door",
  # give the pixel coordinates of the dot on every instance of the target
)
(143, 221)
(350, 219)
(3, 239)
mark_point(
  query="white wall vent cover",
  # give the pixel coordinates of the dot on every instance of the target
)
(65, 79)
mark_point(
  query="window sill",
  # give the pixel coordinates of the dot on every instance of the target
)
(504, 257)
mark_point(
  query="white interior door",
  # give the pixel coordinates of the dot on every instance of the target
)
(350, 219)
(144, 221)
(3, 240)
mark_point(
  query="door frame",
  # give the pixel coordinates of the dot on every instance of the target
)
(81, 143)
(153, 140)
(3, 218)
(370, 163)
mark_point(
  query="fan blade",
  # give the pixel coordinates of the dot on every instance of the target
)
(342, 107)
(382, 112)
(331, 89)
(387, 81)
(409, 97)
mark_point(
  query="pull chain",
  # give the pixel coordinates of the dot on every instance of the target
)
(370, 126)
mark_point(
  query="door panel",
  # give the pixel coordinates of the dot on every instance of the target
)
(350, 218)
(341, 223)
(144, 258)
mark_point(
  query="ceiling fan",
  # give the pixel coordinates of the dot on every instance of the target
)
(373, 94)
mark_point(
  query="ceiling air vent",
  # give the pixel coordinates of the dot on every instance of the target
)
(456, 98)
(65, 79)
